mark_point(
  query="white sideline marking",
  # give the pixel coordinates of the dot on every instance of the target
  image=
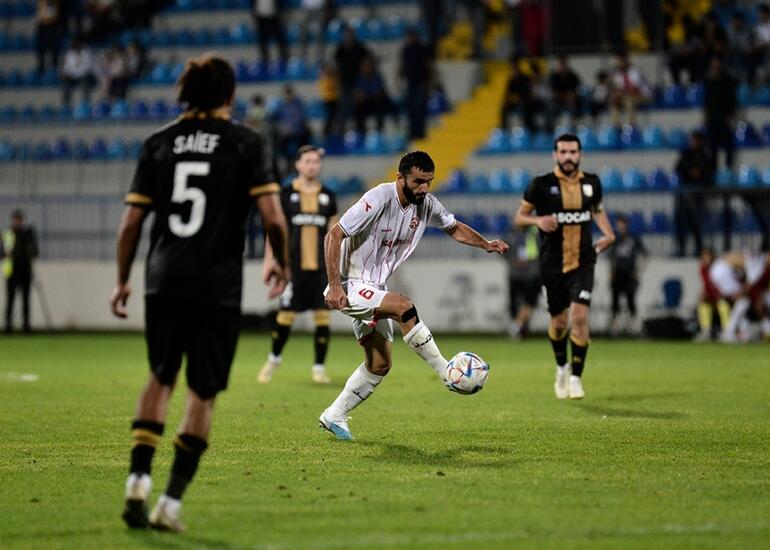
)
(23, 377)
(388, 539)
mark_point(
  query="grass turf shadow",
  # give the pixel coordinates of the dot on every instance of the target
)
(486, 456)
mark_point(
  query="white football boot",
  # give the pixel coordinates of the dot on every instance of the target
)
(165, 515)
(576, 388)
(337, 427)
(319, 375)
(268, 369)
(561, 386)
(138, 488)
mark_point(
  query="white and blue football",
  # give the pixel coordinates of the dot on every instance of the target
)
(466, 373)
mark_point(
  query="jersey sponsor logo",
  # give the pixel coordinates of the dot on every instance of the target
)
(584, 295)
(199, 142)
(572, 218)
(414, 223)
(395, 242)
(309, 219)
(588, 190)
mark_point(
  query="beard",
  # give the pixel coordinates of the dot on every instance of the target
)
(413, 197)
(568, 167)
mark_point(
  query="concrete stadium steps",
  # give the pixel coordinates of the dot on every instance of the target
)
(112, 178)
(595, 161)
(466, 127)
(458, 77)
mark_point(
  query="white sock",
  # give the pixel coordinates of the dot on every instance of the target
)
(275, 359)
(736, 316)
(358, 388)
(765, 324)
(421, 341)
(171, 505)
(318, 367)
(562, 369)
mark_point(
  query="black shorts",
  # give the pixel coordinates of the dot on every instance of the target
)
(564, 288)
(207, 334)
(305, 292)
(527, 290)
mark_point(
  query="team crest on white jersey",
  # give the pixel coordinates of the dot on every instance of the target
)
(414, 223)
(588, 190)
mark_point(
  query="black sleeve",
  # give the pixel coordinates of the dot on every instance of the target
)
(262, 178)
(332, 204)
(531, 195)
(142, 190)
(598, 194)
(34, 248)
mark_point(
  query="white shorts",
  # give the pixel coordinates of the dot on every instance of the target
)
(363, 299)
(723, 276)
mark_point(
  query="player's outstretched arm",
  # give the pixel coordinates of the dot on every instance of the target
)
(608, 235)
(276, 271)
(467, 235)
(128, 239)
(335, 297)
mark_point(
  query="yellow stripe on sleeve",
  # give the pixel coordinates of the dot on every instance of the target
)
(271, 187)
(138, 198)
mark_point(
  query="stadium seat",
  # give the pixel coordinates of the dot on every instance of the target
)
(82, 111)
(660, 224)
(520, 179)
(498, 142)
(479, 223)
(97, 150)
(6, 151)
(748, 176)
(374, 143)
(677, 138)
(766, 176)
(542, 142)
(500, 181)
(116, 149)
(608, 138)
(674, 97)
(61, 150)
(119, 110)
(746, 135)
(478, 184)
(672, 293)
(633, 180)
(724, 178)
(500, 223)
(611, 179)
(521, 140)
(42, 152)
(636, 223)
(652, 137)
(353, 142)
(138, 110)
(8, 114)
(630, 137)
(587, 138)
(457, 182)
(658, 180)
(695, 95)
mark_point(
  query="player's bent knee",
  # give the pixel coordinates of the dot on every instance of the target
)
(380, 368)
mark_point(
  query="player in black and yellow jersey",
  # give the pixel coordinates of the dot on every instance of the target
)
(199, 175)
(311, 209)
(563, 204)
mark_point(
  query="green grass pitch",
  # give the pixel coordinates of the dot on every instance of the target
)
(670, 449)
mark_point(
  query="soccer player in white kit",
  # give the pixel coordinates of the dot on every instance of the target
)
(375, 236)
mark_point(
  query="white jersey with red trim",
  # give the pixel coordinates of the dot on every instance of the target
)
(382, 234)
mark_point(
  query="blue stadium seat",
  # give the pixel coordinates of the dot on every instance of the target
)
(133, 149)
(397, 143)
(608, 138)
(374, 143)
(652, 137)
(724, 178)
(672, 293)
(119, 110)
(353, 142)
(116, 149)
(297, 69)
(762, 96)
(520, 179)
(46, 113)
(633, 180)
(746, 135)
(498, 142)
(82, 111)
(479, 223)
(158, 110)
(61, 149)
(437, 103)
(542, 142)
(660, 223)
(636, 224)
(748, 176)
(97, 150)
(630, 138)
(677, 138)
(674, 97)
(500, 181)
(101, 110)
(8, 114)
(138, 110)
(766, 176)
(521, 140)
(500, 224)
(695, 95)
(587, 138)
(478, 184)
(6, 151)
(457, 182)
(243, 34)
(28, 113)
(744, 94)
(611, 179)
(658, 180)
(42, 152)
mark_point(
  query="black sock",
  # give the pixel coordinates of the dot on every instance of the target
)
(579, 352)
(280, 335)
(321, 341)
(145, 435)
(188, 450)
(559, 345)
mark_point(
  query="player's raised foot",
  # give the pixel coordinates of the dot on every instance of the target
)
(165, 516)
(336, 426)
(138, 487)
(319, 375)
(268, 369)
(576, 388)
(561, 385)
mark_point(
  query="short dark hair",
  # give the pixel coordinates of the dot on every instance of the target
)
(18, 213)
(207, 83)
(308, 149)
(567, 137)
(416, 159)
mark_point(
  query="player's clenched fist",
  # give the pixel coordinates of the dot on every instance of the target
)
(547, 223)
(336, 298)
(501, 247)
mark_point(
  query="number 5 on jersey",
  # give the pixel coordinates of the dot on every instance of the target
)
(182, 193)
